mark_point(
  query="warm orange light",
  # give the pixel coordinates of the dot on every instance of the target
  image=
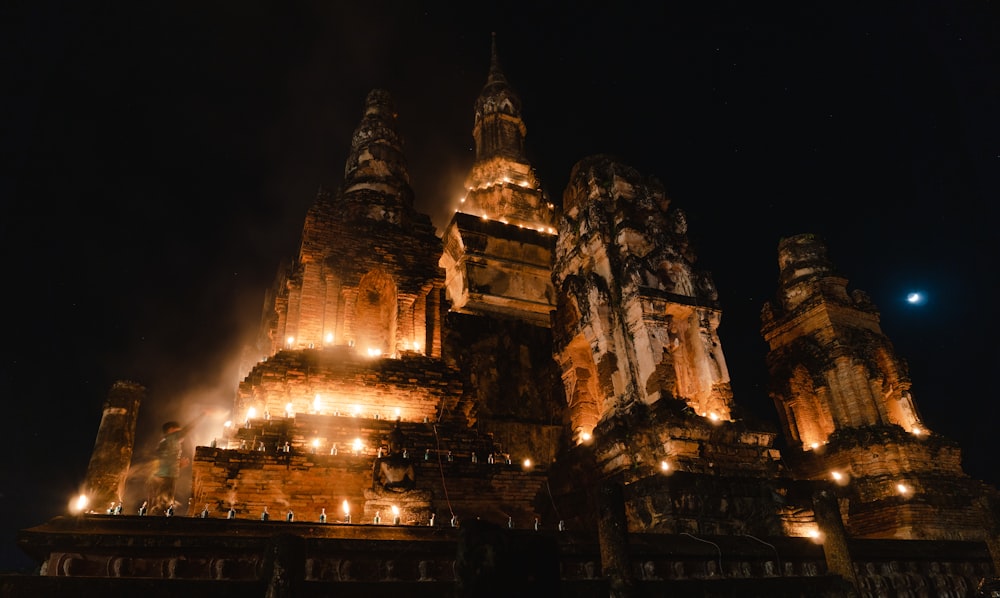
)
(916, 431)
(355, 410)
(347, 508)
(251, 413)
(814, 445)
(416, 346)
(527, 463)
(585, 436)
(289, 410)
(903, 489)
(79, 503)
(291, 341)
(357, 446)
(816, 535)
(836, 475)
(664, 466)
(395, 510)
(317, 403)
(329, 337)
(315, 443)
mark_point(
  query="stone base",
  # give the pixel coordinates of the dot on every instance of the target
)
(414, 506)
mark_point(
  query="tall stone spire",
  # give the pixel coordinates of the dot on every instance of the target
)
(502, 185)
(498, 245)
(376, 181)
(367, 264)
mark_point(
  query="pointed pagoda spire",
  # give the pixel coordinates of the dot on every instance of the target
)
(496, 75)
(376, 180)
(502, 184)
(497, 97)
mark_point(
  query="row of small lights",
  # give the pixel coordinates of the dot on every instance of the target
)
(81, 503)
(372, 352)
(317, 408)
(506, 180)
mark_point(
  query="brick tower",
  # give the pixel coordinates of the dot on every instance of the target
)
(843, 397)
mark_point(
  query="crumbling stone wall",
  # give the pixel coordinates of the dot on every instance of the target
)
(630, 292)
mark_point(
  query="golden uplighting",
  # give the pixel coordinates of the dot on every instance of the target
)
(315, 443)
(289, 410)
(291, 341)
(317, 403)
(527, 463)
(329, 338)
(79, 504)
(372, 352)
(585, 436)
(355, 410)
(357, 445)
(903, 489)
(816, 536)
(814, 445)
(664, 466)
(251, 413)
(916, 431)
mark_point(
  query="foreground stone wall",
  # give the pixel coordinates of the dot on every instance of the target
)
(116, 553)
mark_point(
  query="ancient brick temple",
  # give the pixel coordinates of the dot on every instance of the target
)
(537, 399)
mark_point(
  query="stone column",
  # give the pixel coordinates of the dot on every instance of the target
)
(109, 463)
(612, 533)
(838, 555)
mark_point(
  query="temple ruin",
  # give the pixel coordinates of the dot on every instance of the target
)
(547, 385)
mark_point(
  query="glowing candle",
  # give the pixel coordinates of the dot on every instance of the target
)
(347, 512)
(395, 515)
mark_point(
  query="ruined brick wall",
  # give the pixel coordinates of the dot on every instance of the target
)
(508, 367)
(346, 382)
(306, 483)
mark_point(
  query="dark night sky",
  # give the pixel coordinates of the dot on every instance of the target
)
(158, 160)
